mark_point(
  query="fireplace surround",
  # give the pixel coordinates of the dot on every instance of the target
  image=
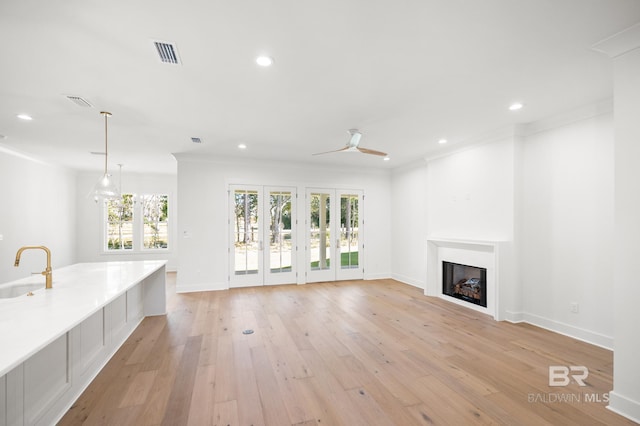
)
(482, 254)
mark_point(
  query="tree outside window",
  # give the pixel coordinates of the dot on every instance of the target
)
(155, 215)
(120, 223)
(137, 222)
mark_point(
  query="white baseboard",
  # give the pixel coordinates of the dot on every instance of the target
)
(588, 336)
(408, 280)
(192, 288)
(624, 406)
(376, 276)
(514, 317)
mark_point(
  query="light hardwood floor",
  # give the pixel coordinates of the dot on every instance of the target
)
(342, 353)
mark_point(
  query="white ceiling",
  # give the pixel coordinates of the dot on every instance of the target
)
(406, 73)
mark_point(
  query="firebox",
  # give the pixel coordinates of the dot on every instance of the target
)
(464, 282)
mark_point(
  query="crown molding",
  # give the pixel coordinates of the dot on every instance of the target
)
(620, 43)
(496, 135)
(555, 121)
(183, 158)
(4, 149)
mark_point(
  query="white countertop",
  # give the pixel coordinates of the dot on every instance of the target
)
(29, 323)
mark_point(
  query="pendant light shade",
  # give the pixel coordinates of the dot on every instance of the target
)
(105, 188)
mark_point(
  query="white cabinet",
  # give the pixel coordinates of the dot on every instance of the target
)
(41, 389)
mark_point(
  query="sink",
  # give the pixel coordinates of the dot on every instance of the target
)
(8, 291)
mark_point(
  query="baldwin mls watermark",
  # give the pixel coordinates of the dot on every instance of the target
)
(562, 376)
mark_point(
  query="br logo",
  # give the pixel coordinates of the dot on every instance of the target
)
(561, 375)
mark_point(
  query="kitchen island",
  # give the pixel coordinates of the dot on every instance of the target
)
(55, 341)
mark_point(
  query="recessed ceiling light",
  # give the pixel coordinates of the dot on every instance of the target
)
(387, 158)
(442, 141)
(242, 146)
(264, 61)
(515, 106)
(24, 117)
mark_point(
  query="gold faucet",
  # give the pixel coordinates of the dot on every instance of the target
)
(46, 272)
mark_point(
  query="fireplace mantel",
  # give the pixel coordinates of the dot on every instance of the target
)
(471, 244)
(494, 255)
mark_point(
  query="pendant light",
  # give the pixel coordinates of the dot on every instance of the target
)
(105, 188)
(121, 198)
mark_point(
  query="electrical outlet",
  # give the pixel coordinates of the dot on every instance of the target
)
(575, 308)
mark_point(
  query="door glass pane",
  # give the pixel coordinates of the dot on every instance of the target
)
(320, 235)
(348, 231)
(247, 236)
(280, 247)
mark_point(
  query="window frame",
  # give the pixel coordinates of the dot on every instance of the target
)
(106, 225)
(142, 223)
(138, 226)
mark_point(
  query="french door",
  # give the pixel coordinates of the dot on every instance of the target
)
(334, 229)
(262, 247)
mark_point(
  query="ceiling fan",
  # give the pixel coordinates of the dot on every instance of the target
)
(354, 146)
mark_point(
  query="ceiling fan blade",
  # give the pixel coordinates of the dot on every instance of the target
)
(371, 151)
(329, 152)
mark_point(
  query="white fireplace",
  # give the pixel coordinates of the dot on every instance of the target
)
(474, 253)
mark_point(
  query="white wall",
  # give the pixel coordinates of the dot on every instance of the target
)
(566, 229)
(466, 195)
(203, 213)
(470, 193)
(89, 217)
(549, 194)
(409, 224)
(38, 208)
(625, 398)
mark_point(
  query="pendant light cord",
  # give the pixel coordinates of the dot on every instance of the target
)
(106, 146)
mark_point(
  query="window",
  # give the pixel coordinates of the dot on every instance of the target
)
(120, 223)
(137, 223)
(154, 215)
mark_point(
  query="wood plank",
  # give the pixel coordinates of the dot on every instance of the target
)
(107, 405)
(225, 388)
(224, 414)
(248, 399)
(145, 337)
(177, 411)
(327, 392)
(202, 398)
(160, 392)
(138, 389)
(446, 403)
(274, 409)
(282, 350)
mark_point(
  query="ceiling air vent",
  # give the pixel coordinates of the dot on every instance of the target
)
(196, 140)
(168, 52)
(79, 101)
